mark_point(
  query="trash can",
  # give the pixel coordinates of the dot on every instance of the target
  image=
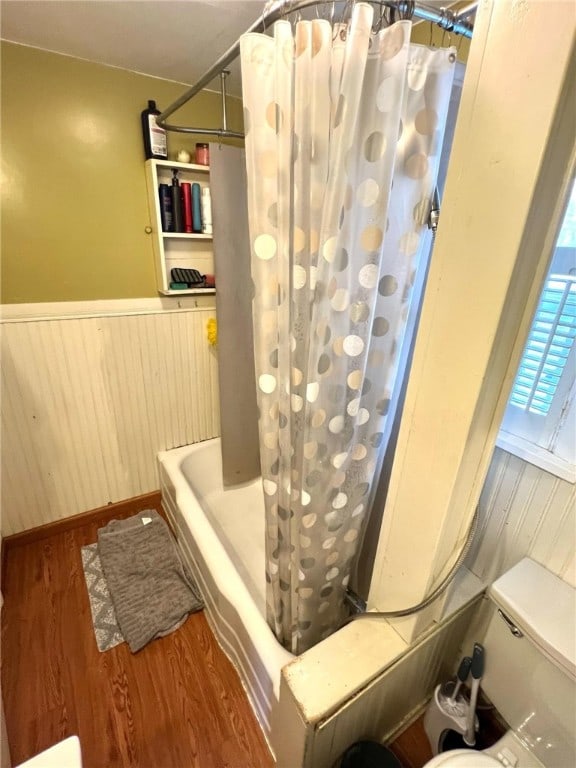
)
(368, 754)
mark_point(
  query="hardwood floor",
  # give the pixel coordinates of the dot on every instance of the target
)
(411, 747)
(178, 703)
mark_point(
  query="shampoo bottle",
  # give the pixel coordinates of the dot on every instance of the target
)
(206, 211)
(177, 215)
(196, 209)
(187, 206)
(154, 136)
(165, 195)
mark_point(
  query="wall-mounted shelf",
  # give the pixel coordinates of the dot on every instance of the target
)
(181, 166)
(186, 235)
(177, 249)
(189, 292)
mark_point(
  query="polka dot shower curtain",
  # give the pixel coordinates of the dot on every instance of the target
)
(343, 136)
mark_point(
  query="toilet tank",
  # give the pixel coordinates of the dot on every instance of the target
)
(530, 661)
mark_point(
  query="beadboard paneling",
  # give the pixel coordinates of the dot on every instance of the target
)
(87, 402)
(524, 511)
(382, 709)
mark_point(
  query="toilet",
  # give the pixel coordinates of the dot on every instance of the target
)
(530, 673)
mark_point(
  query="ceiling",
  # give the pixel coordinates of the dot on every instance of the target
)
(172, 39)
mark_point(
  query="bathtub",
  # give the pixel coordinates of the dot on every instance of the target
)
(350, 686)
(221, 535)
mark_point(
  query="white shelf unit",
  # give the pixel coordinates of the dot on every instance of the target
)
(177, 249)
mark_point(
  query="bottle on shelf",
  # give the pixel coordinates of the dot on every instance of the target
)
(206, 211)
(187, 206)
(196, 209)
(166, 218)
(177, 203)
(154, 136)
(202, 154)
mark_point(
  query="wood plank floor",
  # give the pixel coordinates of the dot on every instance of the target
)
(178, 703)
(412, 747)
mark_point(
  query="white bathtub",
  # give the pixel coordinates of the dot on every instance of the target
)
(350, 686)
(221, 534)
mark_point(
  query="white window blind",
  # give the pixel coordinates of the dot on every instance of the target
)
(539, 424)
(548, 347)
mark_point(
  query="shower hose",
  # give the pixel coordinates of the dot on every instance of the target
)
(434, 595)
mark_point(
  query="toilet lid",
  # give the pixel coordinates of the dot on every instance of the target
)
(463, 758)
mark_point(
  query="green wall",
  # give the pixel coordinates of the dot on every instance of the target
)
(74, 207)
(423, 34)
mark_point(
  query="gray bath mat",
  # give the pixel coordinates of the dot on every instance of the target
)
(104, 621)
(150, 585)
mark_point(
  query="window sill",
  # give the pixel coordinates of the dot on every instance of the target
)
(537, 456)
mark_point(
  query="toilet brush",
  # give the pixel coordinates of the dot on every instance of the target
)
(461, 677)
(446, 712)
(477, 670)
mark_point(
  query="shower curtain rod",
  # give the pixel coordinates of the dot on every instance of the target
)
(450, 21)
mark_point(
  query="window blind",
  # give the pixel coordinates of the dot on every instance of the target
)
(549, 343)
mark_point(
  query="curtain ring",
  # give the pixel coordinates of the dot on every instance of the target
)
(442, 24)
(447, 23)
(347, 9)
(296, 17)
(267, 8)
(317, 8)
(378, 26)
(406, 9)
(459, 43)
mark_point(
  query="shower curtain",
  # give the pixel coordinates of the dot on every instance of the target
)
(343, 136)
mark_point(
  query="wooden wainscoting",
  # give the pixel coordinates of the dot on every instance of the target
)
(88, 400)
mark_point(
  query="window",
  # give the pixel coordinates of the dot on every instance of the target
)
(539, 422)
